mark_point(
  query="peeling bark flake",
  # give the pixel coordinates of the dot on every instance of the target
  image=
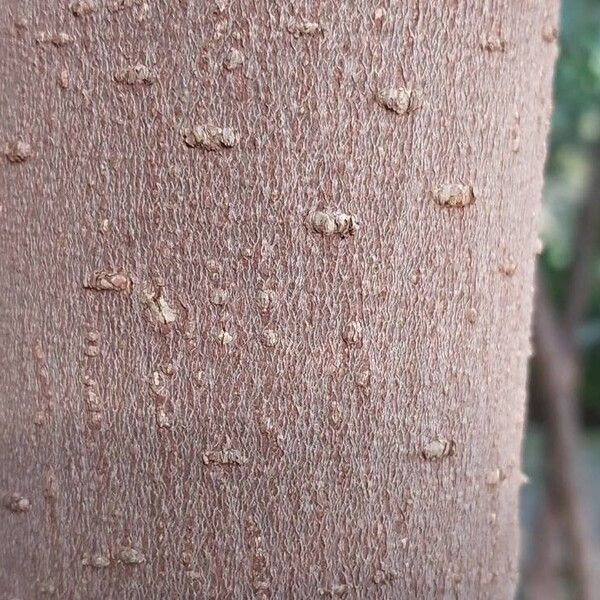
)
(352, 333)
(233, 60)
(454, 195)
(17, 503)
(83, 8)
(398, 100)
(223, 337)
(18, 151)
(334, 223)
(97, 561)
(438, 448)
(226, 456)
(298, 27)
(508, 268)
(265, 299)
(269, 338)
(108, 281)
(209, 137)
(58, 39)
(135, 74)
(218, 297)
(131, 556)
(159, 308)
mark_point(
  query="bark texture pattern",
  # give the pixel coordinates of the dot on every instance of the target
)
(242, 405)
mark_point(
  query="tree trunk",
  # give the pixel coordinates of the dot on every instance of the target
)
(267, 284)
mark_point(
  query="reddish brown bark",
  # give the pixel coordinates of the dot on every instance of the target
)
(266, 295)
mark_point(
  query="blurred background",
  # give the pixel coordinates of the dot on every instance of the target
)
(561, 503)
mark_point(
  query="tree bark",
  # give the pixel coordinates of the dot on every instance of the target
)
(267, 285)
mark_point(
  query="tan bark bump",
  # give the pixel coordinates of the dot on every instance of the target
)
(17, 503)
(454, 195)
(363, 378)
(550, 32)
(225, 456)
(91, 351)
(160, 310)
(494, 476)
(398, 100)
(269, 338)
(515, 133)
(508, 267)
(218, 297)
(472, 315)
(234, 59)
(57, 39)
(163, 419)
(352, 333)
(108, 281)
(382, 577)
(131, 556)
(97, 561)
(332, 223)
(265, 300)
(223, 337)
(209, 137)
(119, 5)
(18, 151)
(493, 43)
(337, 589)
(438, 448)
(301, 26)
(135, 74)
(83, 8)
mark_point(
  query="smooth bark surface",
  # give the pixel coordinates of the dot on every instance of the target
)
(215, 382)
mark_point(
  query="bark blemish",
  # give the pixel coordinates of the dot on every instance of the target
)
(97, 561)
(17, 503)
(265, 300)
(549, 32)
(259, 568)
(159, 308)
(58, 39)
(83, 8)
(363, 378)
(334, 223)
(352, 333)
(472, 315)
(269, 338)
(454, 195)
(135, 74)
(233, 60)
(225, 456)
(209, 137)
(398, 100)
(494, 477)
(108, 281)
(298, 27)
(18, 151)
(119, 5)
(493, 43)
(91, 351)
(438, 448)
(337, 589)
(218, 297)
(515, 133)
(383, 577)
(131, 556)
(223, 337)
(163, 419)
(508, 268)
(64, 79)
